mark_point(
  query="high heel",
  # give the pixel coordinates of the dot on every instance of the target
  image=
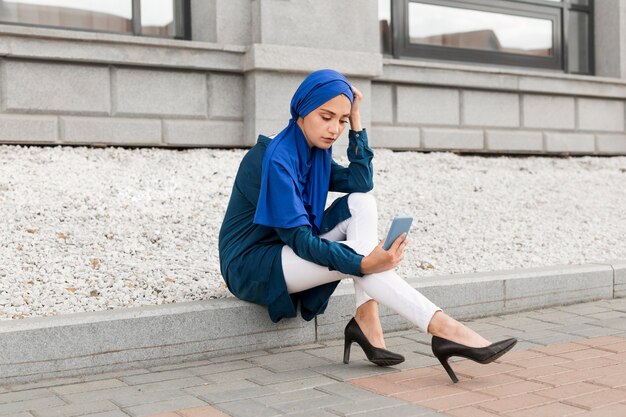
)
(379, 356)
(443, 349)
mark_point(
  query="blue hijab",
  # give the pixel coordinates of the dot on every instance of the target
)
(294, 177)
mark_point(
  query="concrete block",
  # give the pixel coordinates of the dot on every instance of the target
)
(382, 103)
(54, 45)
(452, 139)
(90, 408)
(298, 59)
(580, 86)
(551, 112)
(156, 92)
(507, 140)
(619, 271)
(28, 129)
(611, 144)
(201, 133)
(52, 87)
(569, 142)
(336, 25)
(604, 115)
(109, 130)
(484, 108)
(393, 137)
(542, 287)
(164, 406)
(226, 96)
(423, 105)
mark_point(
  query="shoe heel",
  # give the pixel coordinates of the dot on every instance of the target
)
(346, 351)
(446, 366)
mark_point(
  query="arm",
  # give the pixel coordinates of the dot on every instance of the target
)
(359, 175)
(334, 255)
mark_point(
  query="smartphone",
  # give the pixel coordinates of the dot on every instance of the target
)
(399, 225)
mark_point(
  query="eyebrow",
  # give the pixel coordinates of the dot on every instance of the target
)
(333, 113)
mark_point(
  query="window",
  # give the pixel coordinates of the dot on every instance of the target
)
(159, 18)
(551, 34)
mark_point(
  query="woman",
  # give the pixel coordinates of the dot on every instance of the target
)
(280, 248)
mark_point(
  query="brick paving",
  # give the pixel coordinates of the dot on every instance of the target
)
(570, 360)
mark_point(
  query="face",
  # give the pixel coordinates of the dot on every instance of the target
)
(323, 125)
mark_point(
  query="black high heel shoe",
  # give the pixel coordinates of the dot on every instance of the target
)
(379, 356)
(443, 349)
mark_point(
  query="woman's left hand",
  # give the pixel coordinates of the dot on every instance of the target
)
(355, 115)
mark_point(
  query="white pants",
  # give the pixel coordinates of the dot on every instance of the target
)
(360, 233)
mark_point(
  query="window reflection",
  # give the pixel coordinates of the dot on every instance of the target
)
(473, 29)
(159, 17)
(110, 15)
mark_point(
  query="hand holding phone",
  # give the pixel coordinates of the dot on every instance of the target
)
(399, 225)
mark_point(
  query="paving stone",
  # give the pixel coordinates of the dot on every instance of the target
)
(342, 372)
(311, 403)
(183, 365)
(236, 394)
(114, 413)
(570, 390)
(215, 368)
(240, 374)
(597, 399)
(312, 413)
(283, 398)
(249, 408)
(164, 406)
(239, 356)
(614, 410)
(548, 410)
(352, 408)
(347, 391)
(274, 378)
(172, 384)
(124, 397)
(33, 394)
(114, 375)
(88, 386)
(72, 410)
(157, 377)
(289, 361)
(12, 408)
(406, 410)
(515, 403)
(314, 382)
(206, 411)
(455, 401)
(470, 412)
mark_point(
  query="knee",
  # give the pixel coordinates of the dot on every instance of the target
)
(361, 201)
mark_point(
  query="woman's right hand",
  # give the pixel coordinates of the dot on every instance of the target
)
(380, 260)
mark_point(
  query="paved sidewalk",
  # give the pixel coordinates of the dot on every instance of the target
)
(570, 361)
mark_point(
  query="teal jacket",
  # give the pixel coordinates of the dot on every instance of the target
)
(250, 254)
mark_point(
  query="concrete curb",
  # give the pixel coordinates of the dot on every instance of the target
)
(88, 343)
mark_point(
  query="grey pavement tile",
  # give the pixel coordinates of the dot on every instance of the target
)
(157, 376)
(315, 382)
(289, 361)
(354, 407)
(584, 308)
(617, 323)
(236, 394)
(25, 414)
(88, 386)
(11, 409)
(525, 345)
(114, 375)
(114, 413)
(335, 353)
(42, 384)
(172, 384)
(10, 397)
(416, 360)
(398, 341)
(311, 403)
(289, 397)
(220, 387)
(249, 408)
(297, 347)
(216, 368)
(124, 397)
(164, 406)
(247, 373)
(181, 365)
(406, 410)
(554, 339)
(73, 410)
(418, 336)
(355, 369)
(278, 377)
(593, 331)
(239, 356)
(348, 391)
(608, 315)
(312, 413)
(526, 324)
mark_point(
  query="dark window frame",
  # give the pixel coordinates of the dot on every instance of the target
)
(557, 12)
(185, 13)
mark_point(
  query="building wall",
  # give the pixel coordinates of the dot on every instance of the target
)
(235, 80)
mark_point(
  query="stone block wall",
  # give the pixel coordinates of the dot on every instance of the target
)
(130, 102)
(495, 112)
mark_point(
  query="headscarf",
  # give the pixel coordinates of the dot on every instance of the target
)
(294, 177)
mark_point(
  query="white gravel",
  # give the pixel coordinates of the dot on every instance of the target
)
(87, 229)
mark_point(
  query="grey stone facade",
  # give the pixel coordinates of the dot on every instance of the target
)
(234, 81)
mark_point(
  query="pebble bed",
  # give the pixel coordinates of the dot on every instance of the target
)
(88, 229)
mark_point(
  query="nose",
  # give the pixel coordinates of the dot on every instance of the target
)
(334, 128)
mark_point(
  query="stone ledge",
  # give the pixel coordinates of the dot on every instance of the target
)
(85, 343)
(499, 79)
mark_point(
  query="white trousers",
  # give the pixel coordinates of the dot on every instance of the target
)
(360, 233)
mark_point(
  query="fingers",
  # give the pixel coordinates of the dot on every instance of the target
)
(396, 244)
